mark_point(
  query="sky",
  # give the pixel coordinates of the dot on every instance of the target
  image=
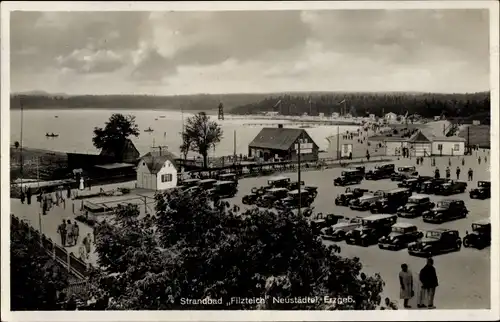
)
(171, 53)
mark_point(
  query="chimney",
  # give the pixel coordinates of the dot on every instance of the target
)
(280, 126)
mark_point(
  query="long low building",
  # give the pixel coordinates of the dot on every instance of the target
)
(420, 144)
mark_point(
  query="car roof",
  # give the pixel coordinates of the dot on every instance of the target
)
(223, 182)
(191, 180)
(227, 174)
(297, 191)
(403, 225)
(441, 230)
(350, 170)
(398, 190)
(450, 200)
(378, 217)
(276, 189)
(406, 166)
(485, 221)
(279, 178)
(419, 196)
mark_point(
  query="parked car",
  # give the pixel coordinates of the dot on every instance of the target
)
(188, 183)
(451, 187)
(483, 191)
(364, 202)
(404, 173)
(401, 235)
(416, 206)
(337, 232)
(304, 211)
(348, 177)
(312, 191)
(414, 184)
(206, 184)
(349, 194)
(383, 171)
(228, 177)
(292, 198)
(271, 196)
(480, 237)
(279, 182)
(322, 221)
(294, 185)
(391, 201)
(430, 186)
(224, 189)
(255, 194)
(436, 241)
(446, 210)
(374, 227)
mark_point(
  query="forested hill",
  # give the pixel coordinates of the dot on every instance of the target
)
(201, 102)
(361, 104)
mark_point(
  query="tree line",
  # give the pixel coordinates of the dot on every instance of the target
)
(426, 105)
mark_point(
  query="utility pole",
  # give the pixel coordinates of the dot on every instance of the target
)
(41, 203)
(468, 139)
(299, 178)
(21, 143)
(338, 142)
(234, 147)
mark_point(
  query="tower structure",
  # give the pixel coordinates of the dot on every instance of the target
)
(221, 112)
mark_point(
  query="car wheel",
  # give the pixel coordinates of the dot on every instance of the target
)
(466, 242)
(337, 203)
(335, 184)
(459, 245)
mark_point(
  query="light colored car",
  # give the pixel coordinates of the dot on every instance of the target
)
(364, 202)
(337, 232)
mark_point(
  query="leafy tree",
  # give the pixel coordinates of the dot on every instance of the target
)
(35, 277)
(195, 249)
(118, 128)
(16, 144)
(201, 134)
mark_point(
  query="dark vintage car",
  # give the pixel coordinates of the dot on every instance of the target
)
(338, 231)
(188, 183)
(312, 191)
(383, 171)
(293, 199)
(416, 206)
(451, 187)
(278, 182)
(321, 221)
(364, 202)
(255, 194)
(391, 201)
(414, 184)
(402, 234)
(480, 237)
(271, 196)
(430, 186)
(304, 211)
(349, 194)
(374, 227)
(404, 173)
(348, 177)
(294, 185)
(228, 177)
(436, 241)
(446, 210)
(483, 191)
(206, 184)
(224, 189)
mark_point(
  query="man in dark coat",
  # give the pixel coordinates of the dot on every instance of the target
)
(429, 282)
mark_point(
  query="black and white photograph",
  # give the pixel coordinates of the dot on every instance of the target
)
(283, 158)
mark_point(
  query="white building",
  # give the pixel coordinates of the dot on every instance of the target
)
(391, 116)
(157, 171)
(452, 145)
(335, 115)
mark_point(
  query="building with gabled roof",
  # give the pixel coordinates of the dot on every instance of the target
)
(278, 143)
(126, 153)
(157, 170)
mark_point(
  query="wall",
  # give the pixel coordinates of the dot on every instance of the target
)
(448, 148)
(309, 154)
(391, 147)
(145, 179)
(421, 149)
(168, 168)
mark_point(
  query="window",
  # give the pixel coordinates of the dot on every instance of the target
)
(456, 147)
(166, 177)
(440, 147)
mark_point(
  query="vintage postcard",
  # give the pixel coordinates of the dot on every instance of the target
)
(250, 161)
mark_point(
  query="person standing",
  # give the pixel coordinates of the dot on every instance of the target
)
(69, 231)
(471, 174)
(448, 173)
(433, 163)
(428, 279)
(61, 230)
(76, 232)
(418, 161)
(22, 196)
(28, 196)
(82, 252)
(367, 155)
(437, 175)
(458, 173)
(479, 160)
(68, 192)
(463, 161)
(87, 241)
(449, 162)
(406, 285)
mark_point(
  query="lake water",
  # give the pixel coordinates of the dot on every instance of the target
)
(75, 129)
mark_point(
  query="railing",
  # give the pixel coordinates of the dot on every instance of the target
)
(68, 260)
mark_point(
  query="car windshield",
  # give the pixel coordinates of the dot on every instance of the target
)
(482, 184)
(409, 207)
(443, 204)
(398, 230)
(480, 228)
(433, 234)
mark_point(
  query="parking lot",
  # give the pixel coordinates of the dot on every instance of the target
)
(464, 276)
